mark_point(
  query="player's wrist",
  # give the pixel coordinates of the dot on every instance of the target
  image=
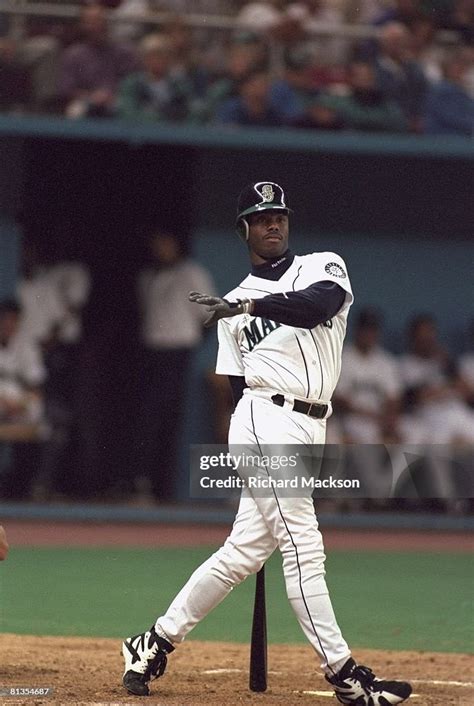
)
(245, 306)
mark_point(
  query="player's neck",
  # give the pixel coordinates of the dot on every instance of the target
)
(274, 267)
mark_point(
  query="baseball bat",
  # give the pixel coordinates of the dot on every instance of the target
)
(258, 645)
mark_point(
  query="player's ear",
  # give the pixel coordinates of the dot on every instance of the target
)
(242, 229)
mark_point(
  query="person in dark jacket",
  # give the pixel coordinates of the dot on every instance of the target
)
(449, 107)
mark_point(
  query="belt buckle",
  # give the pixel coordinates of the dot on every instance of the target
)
(308, 413)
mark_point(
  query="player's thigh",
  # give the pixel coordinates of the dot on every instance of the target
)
(251, 534)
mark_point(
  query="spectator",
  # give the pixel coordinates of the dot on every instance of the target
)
(189, 64)
(312, 14)
(3, 544)
(153, 94)
(318, 116)
(245, 55)
(261, 16)
(125, 30)
(364, 106)
(369, 386)
(296, 91)
(402, 11)
(22, 373)
(170, 330)
(460, 19)
(423, 48)
(92, 69)
(252, 106)
(399, 77)
(449, 108)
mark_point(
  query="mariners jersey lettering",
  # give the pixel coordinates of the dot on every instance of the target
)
(299, 361)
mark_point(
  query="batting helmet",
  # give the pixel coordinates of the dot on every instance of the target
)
(259, 196)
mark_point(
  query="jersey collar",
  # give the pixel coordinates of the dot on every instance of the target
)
(275, 267)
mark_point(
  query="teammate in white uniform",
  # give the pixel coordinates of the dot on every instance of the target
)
(280, 340)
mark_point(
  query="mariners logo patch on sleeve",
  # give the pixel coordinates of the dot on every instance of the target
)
(332, 268)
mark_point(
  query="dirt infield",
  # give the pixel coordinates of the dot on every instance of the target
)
(23, 533)
(88, 671)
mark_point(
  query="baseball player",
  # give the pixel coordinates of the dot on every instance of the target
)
(280, 340)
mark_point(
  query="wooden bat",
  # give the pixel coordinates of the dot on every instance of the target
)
(258, 645)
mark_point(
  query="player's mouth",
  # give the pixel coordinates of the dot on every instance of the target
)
(273, 237)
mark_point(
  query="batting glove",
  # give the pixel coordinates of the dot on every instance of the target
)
(220, 308)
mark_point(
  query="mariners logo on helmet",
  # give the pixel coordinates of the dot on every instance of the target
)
(261, 196)
(267, 192)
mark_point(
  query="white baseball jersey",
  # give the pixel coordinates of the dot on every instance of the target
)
(367, 380)
(303, 362)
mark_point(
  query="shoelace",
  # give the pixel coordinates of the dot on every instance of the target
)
(364, 675)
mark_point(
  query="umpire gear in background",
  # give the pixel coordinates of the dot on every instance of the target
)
(259, 196)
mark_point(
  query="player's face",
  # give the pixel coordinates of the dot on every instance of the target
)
(268, 235)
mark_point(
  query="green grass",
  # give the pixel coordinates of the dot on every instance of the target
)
(382, 600)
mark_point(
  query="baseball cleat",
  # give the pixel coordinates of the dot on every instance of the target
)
(358, 685)
(145, 658)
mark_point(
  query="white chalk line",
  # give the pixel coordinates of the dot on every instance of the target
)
(232, 671)
(330, 694)
(431, 682)
(439, 682)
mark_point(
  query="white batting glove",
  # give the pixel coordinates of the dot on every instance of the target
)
(220, 308)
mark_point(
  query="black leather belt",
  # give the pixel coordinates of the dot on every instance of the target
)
(311, 409)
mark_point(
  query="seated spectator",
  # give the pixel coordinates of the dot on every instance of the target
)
(399, 77)
(369, 386)
(318, 116)
(189, 65)
(449, 108)
(252, 106)
(312, 14)
(22, 373)
(92, 69)
(295, 91)
(245, 55)
(423, 48)
(153, 94)
(364, 107)
(460, 18)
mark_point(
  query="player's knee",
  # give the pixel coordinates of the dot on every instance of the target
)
(234, 565)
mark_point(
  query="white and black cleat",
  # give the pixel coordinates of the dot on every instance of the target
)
(145, 658)
(358, 686)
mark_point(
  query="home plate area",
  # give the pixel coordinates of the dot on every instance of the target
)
(88, 671)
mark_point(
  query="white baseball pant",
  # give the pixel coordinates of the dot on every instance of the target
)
(261, 525)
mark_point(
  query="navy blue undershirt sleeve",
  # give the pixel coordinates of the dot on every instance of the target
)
(238, 386)
(304, 309)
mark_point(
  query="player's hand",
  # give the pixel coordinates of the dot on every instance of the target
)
(219, 308)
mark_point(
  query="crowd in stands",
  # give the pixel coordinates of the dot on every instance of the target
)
(281, 64)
